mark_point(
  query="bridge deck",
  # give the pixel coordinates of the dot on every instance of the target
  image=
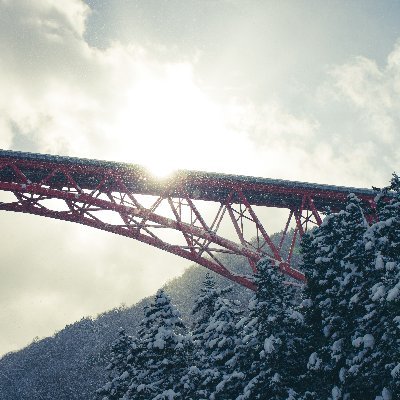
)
(197, 184)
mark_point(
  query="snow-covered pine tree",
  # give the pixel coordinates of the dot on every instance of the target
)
(119, 368)
(219, 340)
(318, 266)
(333, 264)
(201, 312)
(312, 334)
(261, 368)
(214, 339)
(376, 365)
(351, 291)
(204, 306)
(164, 350)
(391, 251)
(348, 266)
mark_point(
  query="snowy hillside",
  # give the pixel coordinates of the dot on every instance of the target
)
(338, 338)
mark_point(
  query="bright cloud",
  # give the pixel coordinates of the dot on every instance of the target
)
(122, 103)
(365, 98)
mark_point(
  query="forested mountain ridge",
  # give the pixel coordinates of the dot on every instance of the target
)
(70, 364)
(341, 342)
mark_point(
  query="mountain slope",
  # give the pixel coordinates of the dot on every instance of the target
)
(71, 364)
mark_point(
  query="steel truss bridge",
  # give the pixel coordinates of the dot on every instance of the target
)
(189, 214)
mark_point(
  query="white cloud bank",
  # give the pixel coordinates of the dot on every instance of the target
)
(367, 97)
(124, 103)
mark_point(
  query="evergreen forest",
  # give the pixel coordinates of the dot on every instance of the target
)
(335, 338)
(338, 337)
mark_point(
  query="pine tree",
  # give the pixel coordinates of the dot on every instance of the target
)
(204, 306)
(201, 312)
(391, 251)
(351, 305)
(214, 338)
(350, 291)
(164, 349)
(260, 367)
(119, 368)
(312, 335)
(333, 264)
(376, 364)
(219, 341)
(318, 265)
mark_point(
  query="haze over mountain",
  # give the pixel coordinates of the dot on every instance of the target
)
(71, 364)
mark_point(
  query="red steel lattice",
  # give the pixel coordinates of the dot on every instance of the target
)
(87, 191)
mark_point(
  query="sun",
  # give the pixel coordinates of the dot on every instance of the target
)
(168, 122)
(160, 170)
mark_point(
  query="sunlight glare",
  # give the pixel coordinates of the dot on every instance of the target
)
(169, 123)
(160, 171)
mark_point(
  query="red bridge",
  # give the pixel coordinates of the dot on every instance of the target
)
(189, 214)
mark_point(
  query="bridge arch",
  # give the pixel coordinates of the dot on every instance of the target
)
(110, 196)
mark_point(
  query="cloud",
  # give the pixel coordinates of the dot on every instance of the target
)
(367, 96)
(55, 273)
(122, 102)
(43, 55)
(371, 91)
(66, 97)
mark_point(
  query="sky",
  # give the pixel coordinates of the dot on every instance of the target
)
(299, 90)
